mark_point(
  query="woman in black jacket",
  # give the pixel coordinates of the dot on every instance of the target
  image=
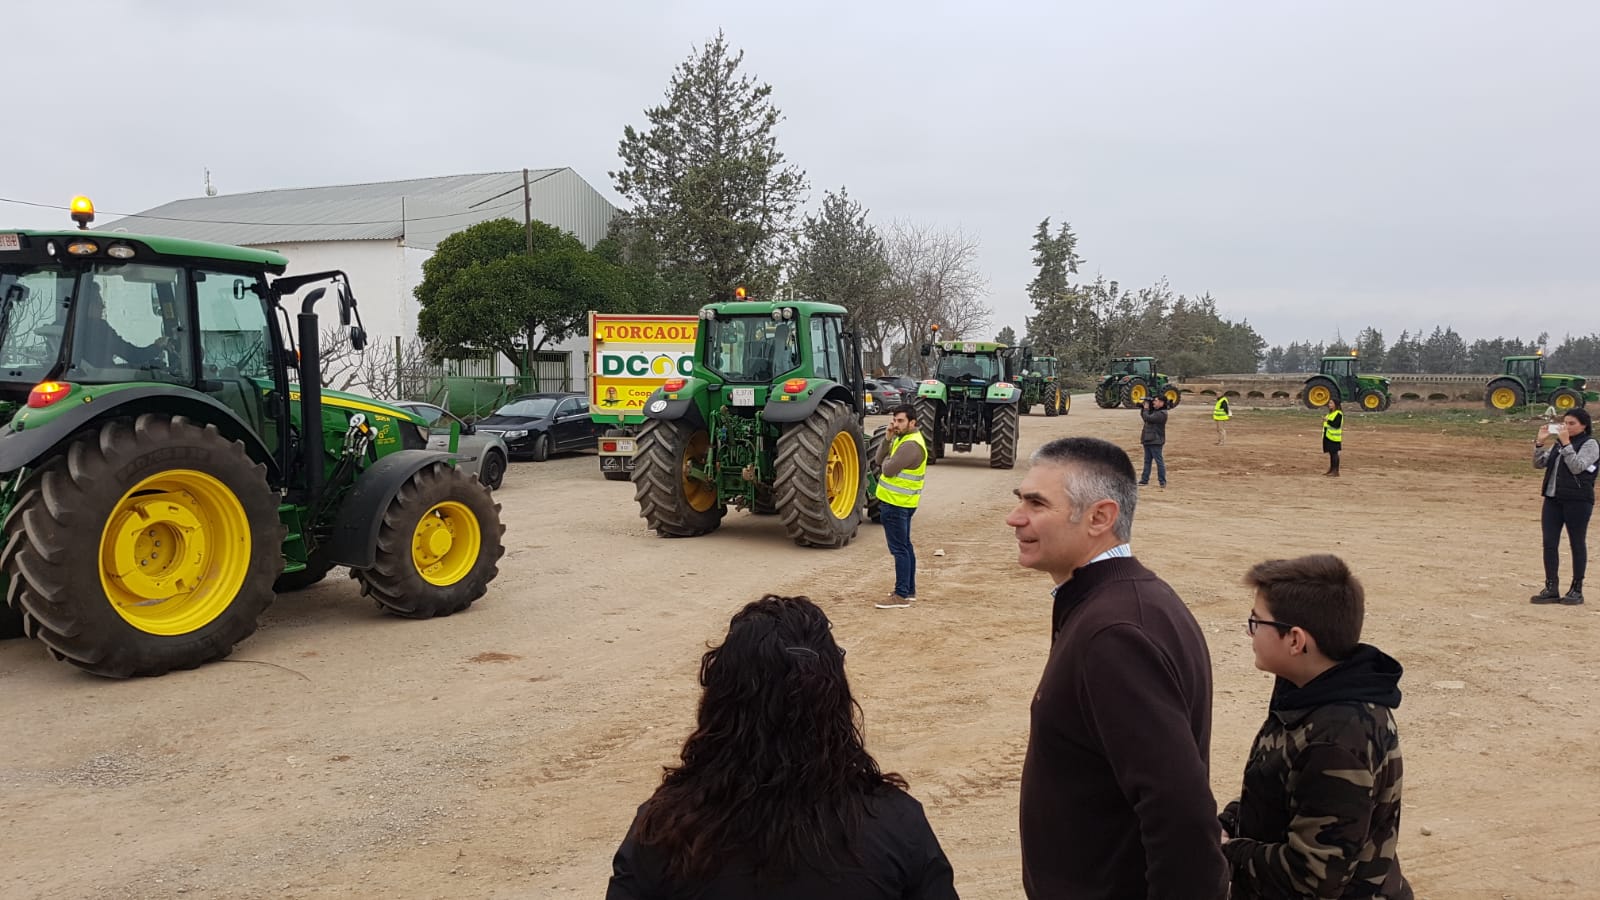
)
(776, 797)
(1569, 467)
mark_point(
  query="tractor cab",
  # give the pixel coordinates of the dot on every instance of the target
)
(1339, 367)
(1527, 369)
(968, 366)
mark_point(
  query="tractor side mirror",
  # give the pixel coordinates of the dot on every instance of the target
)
(927, 349)
(238, 289)
(358, 338)
(347, 303)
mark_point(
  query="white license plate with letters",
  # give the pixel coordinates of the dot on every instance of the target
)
(743, 396)
(10, 242)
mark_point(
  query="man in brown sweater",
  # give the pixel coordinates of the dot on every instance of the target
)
(1116, 795)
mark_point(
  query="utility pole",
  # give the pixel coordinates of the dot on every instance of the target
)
(527, 211)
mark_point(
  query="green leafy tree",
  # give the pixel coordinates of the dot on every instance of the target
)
(713, 197)
(1369, 344)
(1577, 356)
(483, 290)
(1006, 336)
(841, 259)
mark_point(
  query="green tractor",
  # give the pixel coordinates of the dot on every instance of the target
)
(769, 421)
(1337, 379)
(170, 460)
(1040, 387)
(1130, 379)
(1525, 381)
(970, 400)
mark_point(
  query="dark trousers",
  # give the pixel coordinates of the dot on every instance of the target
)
(1332, 448)
(897, 531)
(1574, 514)
(1152, 453)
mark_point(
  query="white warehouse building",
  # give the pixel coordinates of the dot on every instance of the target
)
(379, 234)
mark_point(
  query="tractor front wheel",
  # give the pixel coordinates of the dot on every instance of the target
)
(1370, 400)
(1565, 399)
(1173, 396)
(1052, 400)
(1504, 395)
(438, 546)
(1318, 392)
(673, 501)
(817, 487)
(1107, 396)
(1003, 426)
(148, 546)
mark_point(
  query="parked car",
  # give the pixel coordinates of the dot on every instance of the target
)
(906, 384)
(537, 425)
(881, 396)
(488, 450)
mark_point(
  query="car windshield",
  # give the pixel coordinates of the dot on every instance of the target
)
(751, 348)
(969, 365)
(532, 408)
(33, 317)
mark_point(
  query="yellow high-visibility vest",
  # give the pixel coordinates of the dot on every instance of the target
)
(1220, 411)
(1328, 431)
(905, 489)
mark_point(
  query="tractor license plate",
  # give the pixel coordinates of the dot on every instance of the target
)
(10, 242)
(625, 446)
(744, 396)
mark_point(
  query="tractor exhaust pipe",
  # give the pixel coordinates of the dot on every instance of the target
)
(310, 397)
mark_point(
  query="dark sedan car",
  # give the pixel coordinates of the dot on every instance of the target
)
(906, 384)
(881, 396)
(537, 425)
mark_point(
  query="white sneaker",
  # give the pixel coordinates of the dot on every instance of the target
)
(895, 601)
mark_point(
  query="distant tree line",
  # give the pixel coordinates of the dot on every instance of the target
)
(1442, 352)
(1083, 324)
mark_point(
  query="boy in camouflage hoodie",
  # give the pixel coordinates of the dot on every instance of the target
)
(1319, 814)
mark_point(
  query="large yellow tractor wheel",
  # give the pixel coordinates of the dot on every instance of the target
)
(439, 545)
(668, 479)
(1318, 392)
(1505, 395)
(820, 474)
(149, 546)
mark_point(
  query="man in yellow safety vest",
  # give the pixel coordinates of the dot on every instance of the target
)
(902, 463)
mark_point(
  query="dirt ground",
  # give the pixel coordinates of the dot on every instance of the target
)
(502, 752)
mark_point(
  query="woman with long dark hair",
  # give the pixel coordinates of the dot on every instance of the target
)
(1569, 466)
(776, 797)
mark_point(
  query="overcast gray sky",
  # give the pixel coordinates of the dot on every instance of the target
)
(1315, 166)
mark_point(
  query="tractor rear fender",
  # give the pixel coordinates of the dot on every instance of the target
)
(799, 407)
(354, 541)
(938, 390)
(28, 446)
(669, 405)
(1002, 395)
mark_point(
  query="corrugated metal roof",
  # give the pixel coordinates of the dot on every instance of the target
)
(384, 210)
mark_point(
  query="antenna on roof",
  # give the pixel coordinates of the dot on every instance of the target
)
(211, 190)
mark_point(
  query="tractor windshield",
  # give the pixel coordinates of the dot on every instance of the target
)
(1341, 367)
(968, 366)
(33, 312)
(130, 323)
(751, 349)
(1525, 369)
(1044, 367)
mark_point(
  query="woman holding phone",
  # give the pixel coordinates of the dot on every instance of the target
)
(1569, 463)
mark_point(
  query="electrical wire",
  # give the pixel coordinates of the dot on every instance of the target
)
(406, 220)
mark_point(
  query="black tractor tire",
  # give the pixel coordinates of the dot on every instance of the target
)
(1566, 400)
(55, 555)
(492, 471)
(1370, 400)
(1134, 392)
(928, 423)
(1172, 395)
(1108, 396)
(541, 447)
(1386, 401)
(1052, 400)
(317, 568)
(658, 482)
(1504, 395)
(398, 582)
(1065, 396)
(1318, 391)
(875, 444)
(800, 486)
(1003, 427)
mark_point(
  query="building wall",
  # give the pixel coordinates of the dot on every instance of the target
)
(383, 275)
